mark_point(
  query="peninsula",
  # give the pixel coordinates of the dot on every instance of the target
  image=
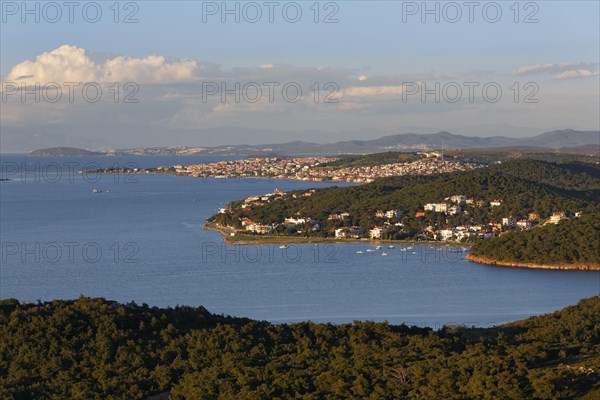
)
(544, 214)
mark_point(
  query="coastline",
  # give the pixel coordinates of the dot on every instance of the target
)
(242, 239)
(518, 264)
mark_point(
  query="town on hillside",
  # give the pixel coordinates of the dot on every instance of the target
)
(306, 169)
(447, 220)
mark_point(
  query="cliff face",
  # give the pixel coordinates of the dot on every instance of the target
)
(516, 264)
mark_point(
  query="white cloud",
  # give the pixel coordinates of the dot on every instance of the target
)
(366, 91)
(562, 70)
(578, 73)
(72, 64)
(534, 69)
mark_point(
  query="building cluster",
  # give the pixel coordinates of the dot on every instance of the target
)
(369, 173)
(387, 223)
(269, 167)
(312, 169)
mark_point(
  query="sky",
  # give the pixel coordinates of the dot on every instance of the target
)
(109, 74)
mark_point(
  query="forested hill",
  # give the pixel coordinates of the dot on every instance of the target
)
(572, 242)
(522, 185)
(368, 160)
(94, 349)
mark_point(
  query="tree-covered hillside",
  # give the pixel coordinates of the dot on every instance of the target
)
(94, 349)
(369, 160)
(575, 241)
(522, 185)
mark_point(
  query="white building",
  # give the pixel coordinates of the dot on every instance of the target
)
(454, 210)
(509, 221)
(458, 198)
(446, 234)
(557, 217)
(291, 222)
(341, 233)
(394, 214)
(376, 232)
(259, 228)
(524, 224)
(437, 207)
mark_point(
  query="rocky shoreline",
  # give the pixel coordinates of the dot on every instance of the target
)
(516, 264)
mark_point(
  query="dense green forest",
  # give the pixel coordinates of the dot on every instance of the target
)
(583, 154)
(572, 241)
(95, 349)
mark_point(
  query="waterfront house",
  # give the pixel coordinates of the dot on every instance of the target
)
(446, 234)
(356, 232)
(376, 232)
(341, 233)
(292, 222)
(262, 229)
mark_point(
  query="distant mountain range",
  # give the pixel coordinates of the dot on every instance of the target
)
(567, 138)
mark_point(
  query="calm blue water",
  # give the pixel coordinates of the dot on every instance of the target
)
(141, 240)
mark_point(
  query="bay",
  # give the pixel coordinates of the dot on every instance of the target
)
(141, 239)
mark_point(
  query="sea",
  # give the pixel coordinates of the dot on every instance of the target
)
(140, 238)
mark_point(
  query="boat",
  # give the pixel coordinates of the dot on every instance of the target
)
(283, 246)
(369, 250)
(377, 247)
(391, 246)
(384, 254)
(96, 191)
(360, 252)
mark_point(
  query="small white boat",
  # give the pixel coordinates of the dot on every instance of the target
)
(360, 252)
(283, 247)
(384, 254)
(369, 250)
(377, 247)
(391, 246)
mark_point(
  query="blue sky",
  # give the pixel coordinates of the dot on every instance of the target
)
(371, 54)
